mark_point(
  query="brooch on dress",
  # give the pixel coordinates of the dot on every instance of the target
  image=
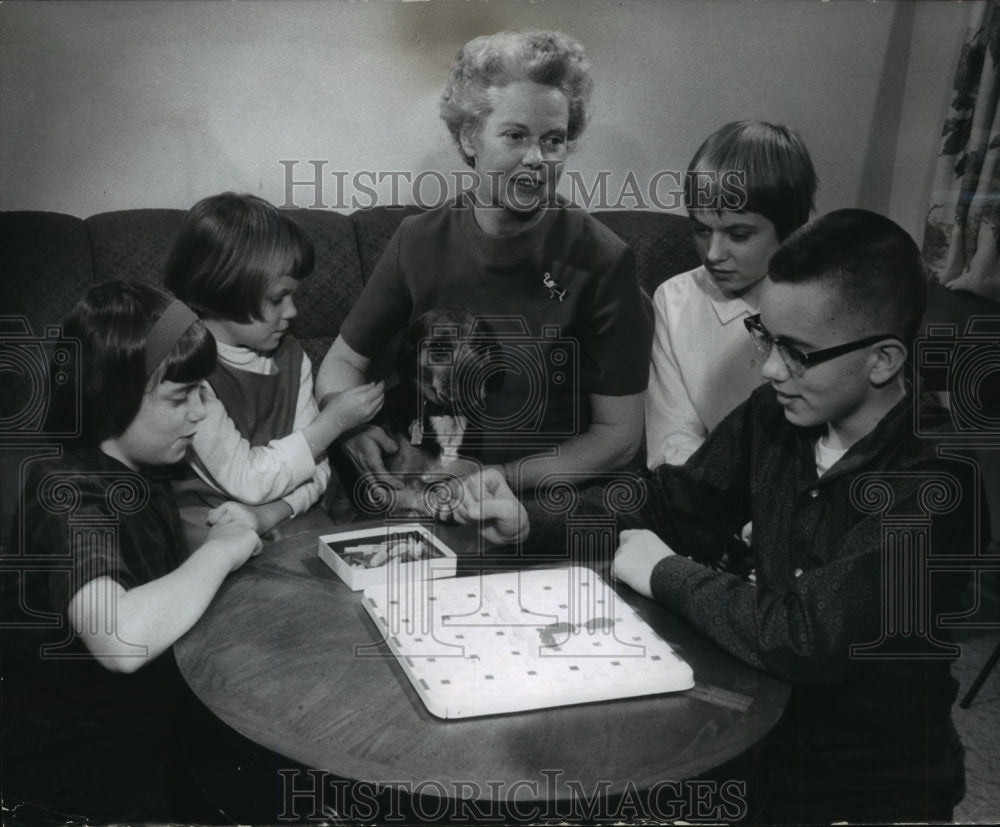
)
(554, 291)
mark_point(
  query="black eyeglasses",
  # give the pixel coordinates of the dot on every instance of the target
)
(795, 360)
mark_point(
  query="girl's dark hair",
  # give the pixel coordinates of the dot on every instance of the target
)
(547, 58)
(111, 323)
(753, 166)
(229, 249)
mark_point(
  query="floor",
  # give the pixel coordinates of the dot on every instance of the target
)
(979, 725)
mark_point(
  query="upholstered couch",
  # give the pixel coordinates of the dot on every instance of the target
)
(48, 259)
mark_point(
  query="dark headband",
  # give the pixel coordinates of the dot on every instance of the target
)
(166, 333)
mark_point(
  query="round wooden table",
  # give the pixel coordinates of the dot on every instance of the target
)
(275, 658)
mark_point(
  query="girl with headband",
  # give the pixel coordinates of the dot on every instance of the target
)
(89, 681)
(260, 454)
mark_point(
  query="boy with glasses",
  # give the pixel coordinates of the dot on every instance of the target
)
(863, 738)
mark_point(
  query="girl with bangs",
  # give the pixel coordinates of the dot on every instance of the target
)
(259, 456)
(106, 584)
(749, 185)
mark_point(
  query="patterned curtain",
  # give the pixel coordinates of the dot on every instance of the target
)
(962, 237)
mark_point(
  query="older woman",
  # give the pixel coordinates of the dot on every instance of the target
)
(558, 288)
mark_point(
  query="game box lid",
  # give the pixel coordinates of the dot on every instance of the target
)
(375, 556)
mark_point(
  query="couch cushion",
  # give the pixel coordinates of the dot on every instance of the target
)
(325, 298)
(44, 266)
(132, 244)
(374, 227)
(662, 243)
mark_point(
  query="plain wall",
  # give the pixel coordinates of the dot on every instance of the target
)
(110, 105)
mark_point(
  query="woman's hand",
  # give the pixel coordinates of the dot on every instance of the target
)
(485, 498)
(639, 550)
(366, 448)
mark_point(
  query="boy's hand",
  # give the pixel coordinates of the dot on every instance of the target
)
(354, 406)
(485, 498)
(639, 550)
(238, 541)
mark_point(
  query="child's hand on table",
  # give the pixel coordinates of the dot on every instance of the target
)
(261, 519)
(239, 541)
(639, 550)
(235, 514)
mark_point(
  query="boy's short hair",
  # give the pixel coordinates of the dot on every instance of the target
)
(753, 166)
(872, 263)
(111, 321)
(545, 57)
(229, 249)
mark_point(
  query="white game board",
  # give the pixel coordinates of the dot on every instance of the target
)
(513, 641)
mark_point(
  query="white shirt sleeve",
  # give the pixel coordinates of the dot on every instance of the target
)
(249, 475)
(305, 496)
(674, 430)
(306, 410)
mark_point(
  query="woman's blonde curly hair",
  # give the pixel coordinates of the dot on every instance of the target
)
(547, 58)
